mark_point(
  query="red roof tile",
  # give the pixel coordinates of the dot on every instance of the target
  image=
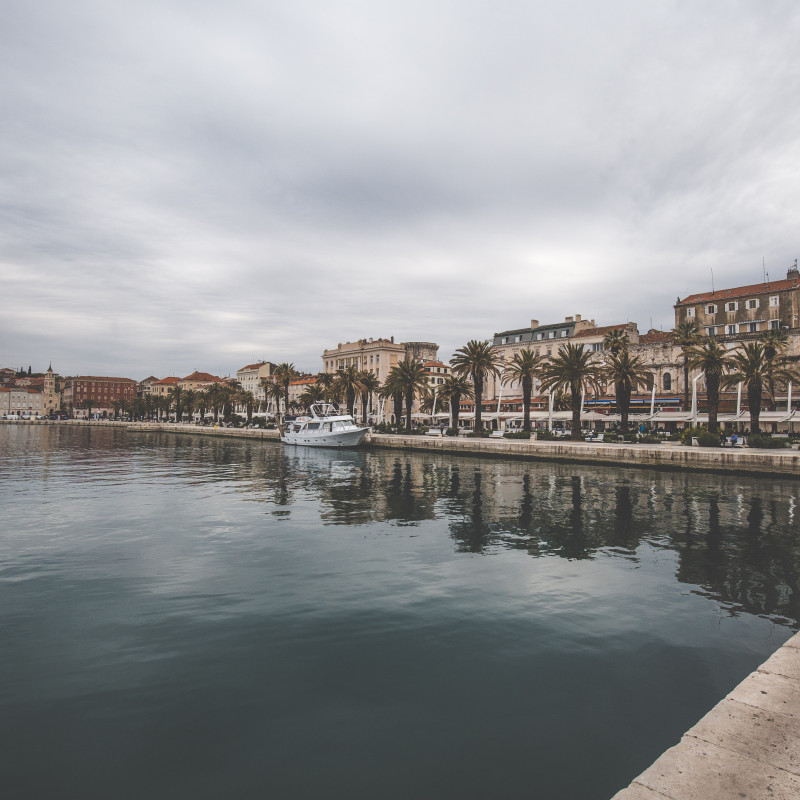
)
(600, 331)
(739, 291)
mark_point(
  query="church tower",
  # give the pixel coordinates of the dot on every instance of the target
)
(49, 397)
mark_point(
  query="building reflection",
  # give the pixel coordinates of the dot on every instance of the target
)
(735, 537)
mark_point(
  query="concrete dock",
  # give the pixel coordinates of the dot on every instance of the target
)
(667, 455)
(747, 746)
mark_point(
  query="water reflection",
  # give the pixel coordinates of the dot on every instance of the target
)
(734, 537)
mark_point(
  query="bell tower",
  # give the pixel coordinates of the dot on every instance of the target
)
(49, 390)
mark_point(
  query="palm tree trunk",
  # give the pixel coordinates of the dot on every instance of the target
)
(575, 392)
(527, 386)
(754, 404)
(685, 382)
(478, 381)
(455, 408)
(623, 406)
(409, 405)
(712, 400)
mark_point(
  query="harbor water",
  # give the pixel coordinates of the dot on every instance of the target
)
(186, 616)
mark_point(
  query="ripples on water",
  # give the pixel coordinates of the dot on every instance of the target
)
(199, 617)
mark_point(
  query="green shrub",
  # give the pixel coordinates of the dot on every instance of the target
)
(691, 433)
(706, 439)
(760, 440)
(451, 432)
(649, 438)
(517, 435)
(630, 437)
(611, 437)
(545, 436)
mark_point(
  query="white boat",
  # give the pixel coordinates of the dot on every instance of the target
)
(324, 428)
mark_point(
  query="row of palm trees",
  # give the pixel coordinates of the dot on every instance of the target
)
(572, 372)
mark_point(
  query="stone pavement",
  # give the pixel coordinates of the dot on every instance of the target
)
(748, 746)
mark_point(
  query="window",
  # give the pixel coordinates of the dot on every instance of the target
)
(690, 312)
(711, 331)
(564, 333)
(731, 329)
(503, 340)
(752, 327)
(734, 306)
(774, 324)
(538, 335)
(711, 309)
(773, 301)
(752, 303)
(517, 338)
(597, 347)
(552, 335)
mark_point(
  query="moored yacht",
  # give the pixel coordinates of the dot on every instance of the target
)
(324, 428)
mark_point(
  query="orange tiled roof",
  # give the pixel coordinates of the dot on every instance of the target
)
(171, 381)
(201, 376)
(302, 381)
(253, 366)
(753, 288)
(651, 337)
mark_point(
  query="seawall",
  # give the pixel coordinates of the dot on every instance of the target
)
(747, 746)
(663, 456)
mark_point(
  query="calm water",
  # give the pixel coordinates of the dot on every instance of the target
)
(187, 617)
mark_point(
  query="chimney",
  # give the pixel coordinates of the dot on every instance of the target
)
(577, 318)
(793, 272)
(568, 319)
(534, 323)
(392, 339)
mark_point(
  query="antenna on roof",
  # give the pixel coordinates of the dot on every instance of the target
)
(764, 268)
(712, 280)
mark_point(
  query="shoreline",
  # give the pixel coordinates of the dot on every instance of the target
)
(785, 463)
(745, 746)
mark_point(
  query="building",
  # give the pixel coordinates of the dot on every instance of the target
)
(162, 388)
(251, 376)
(542, 339)
(21, 400)
(298, 386)
(745, 309)
(198, 380)
(376, 355)
(99, 391)
(437, 372)
(145, 387)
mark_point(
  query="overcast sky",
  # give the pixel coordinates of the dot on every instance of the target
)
(187, 184)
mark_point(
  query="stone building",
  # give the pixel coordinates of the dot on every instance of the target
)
(250, 378)
(376, 355)
(745, 309)
(99, 390)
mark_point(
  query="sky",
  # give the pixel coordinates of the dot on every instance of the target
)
(187, 184)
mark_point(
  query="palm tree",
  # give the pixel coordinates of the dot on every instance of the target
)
(274, 391)
(348, 384)
(284, 374)
(175, 395)
(409, 377)
(523, 368)
(116, 405)
(391, 390)
(713, 359)
(476, 360)
(686, 335)
(371, 385)
(615, 341)
(775, 341)
(571, 369)
(453, 389)
(190, 402)
(313, 393)
(749, 365)
(626, 372)
(246, 399)
(325, 380)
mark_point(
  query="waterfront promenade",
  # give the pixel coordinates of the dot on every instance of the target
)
(747, 746)
(666, 455)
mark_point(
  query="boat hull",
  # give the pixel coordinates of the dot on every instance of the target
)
(350, 438)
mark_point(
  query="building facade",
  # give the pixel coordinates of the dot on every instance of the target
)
(745, 309)
(377, 356)
(251, 376)
(100, 391)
